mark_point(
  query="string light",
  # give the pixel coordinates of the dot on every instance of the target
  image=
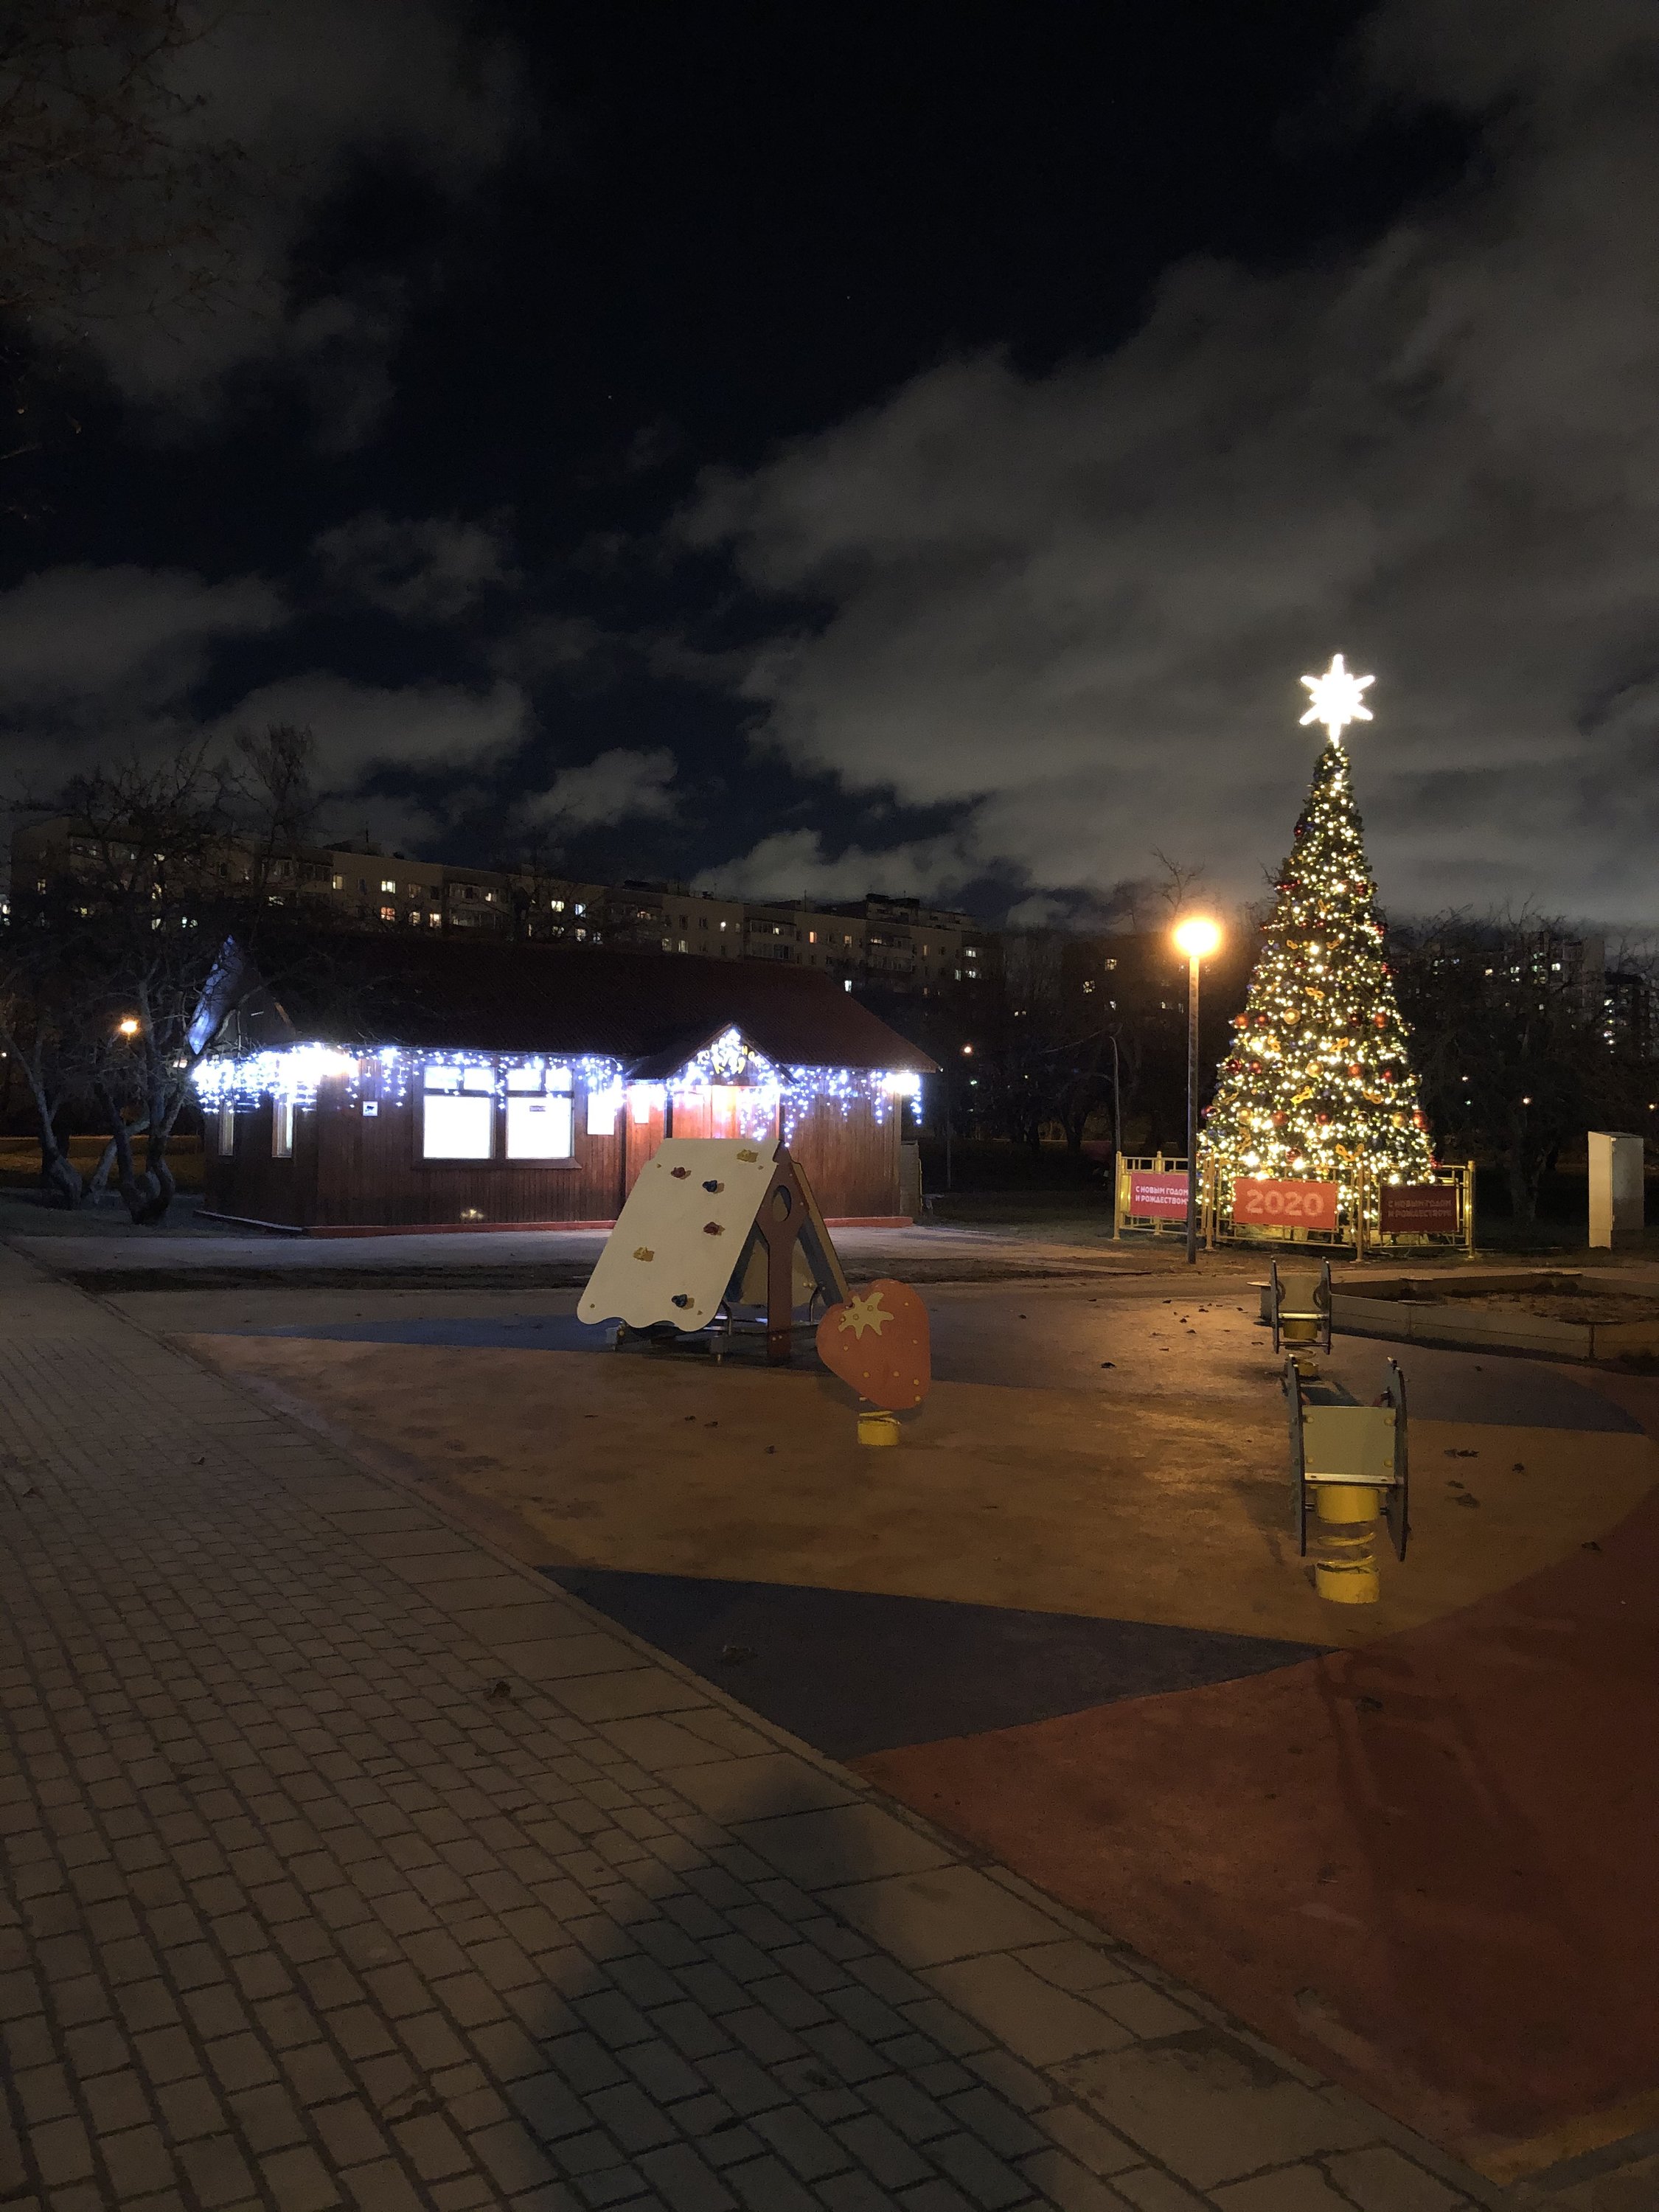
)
(391, 1074)
(1318, 1082)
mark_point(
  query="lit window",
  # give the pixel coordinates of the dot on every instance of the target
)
(811, 937)
(557, 905)
(683, 945)
(539, 1127)
(435, 921)
(668, 945)
(458, 1120)
(281, 1128)
(415, 917)
(339, 884)
(603, 1107)
(389, 884)
(388, 913)
(578, 908)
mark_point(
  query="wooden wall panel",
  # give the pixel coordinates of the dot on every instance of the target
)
(352, 1168)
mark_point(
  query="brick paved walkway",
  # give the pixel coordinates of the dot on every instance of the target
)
(346, 1862)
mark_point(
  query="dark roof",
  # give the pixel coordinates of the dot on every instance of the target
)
(653, 1008)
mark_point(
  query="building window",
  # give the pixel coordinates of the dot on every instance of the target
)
(227, 1130)
(668, 945)
(415, 917)
(578, 908)
(540, 1121)
(435, 921)
(338, 882)
(281, 1128)
(557, 905)
(389, 884)
(388, 914)
(603, 1107)
(458, 1118)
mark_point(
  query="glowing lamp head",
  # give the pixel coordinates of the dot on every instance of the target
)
(1197, 937)
(128, 1027)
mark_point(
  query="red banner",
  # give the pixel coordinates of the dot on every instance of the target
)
(1422, 1209)
(1284, 1205)
(1158, 1197)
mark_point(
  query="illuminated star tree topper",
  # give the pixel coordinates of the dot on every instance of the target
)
(1338, 698)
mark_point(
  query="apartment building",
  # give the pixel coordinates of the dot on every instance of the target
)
(883, 944)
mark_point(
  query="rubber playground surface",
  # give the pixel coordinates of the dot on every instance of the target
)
(1066, 1619)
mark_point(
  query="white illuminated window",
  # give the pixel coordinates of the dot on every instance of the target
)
(529, 1077)
(281, 1128)
(439, 1076)
(389, 884)
(603, 1107)
(458, 1126)
(478, 1079)
(540, 1128)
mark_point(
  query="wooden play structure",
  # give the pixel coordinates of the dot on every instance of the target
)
(717, 1233)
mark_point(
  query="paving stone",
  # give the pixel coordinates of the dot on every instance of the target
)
(1292, 2189)
(949, 1912)
(681, 2180)
(1209, 2107)
(1149, 2190)
(1059, 2179)
(1380, 2180)
(826, 1849)
(1038, 2022)
(1095, 2146)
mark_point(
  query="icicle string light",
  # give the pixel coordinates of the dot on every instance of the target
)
(1317, 1083)
(394, 1073)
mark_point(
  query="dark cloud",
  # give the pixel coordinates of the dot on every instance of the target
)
(308, 91)
(430, 569)
(617, 786)
(1075, 606)
(72, 640)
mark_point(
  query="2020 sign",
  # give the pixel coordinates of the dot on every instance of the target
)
(1285, 1205)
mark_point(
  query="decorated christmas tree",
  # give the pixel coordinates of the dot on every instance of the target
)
(1318, 1085)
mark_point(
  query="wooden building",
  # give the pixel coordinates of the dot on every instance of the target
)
(458, 1085)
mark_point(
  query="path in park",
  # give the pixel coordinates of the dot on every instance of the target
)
(348, 1862)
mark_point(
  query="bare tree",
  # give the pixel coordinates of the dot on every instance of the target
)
(165, 863)
(110, 193)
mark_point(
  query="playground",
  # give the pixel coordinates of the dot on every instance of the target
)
(1067, 1619)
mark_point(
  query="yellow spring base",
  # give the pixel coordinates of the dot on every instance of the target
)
(1345, 1521)
(878, 1428)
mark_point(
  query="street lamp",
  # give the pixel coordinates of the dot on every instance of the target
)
(1197, 937)
(128, 1027)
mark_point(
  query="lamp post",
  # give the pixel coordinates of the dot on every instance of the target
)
(1197, 937)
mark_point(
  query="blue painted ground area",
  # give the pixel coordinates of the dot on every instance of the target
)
(852, 1673)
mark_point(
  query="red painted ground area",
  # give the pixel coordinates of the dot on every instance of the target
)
(1431, 1865)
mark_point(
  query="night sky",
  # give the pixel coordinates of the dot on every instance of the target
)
(915, 447)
